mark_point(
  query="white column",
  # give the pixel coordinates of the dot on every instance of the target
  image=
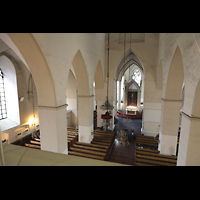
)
(189, 142)
(151, 118)
(119, 103)
(53, 128)
(169, 126)
(86, 117)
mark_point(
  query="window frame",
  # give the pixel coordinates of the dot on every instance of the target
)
(3, 108)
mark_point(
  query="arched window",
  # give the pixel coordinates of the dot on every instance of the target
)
(3, 110)
(137, 76)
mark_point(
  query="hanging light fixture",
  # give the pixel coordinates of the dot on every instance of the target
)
(122, 137)
(107, 106)
(125, 120)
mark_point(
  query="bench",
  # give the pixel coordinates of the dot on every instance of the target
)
(92, 145)
(32, 146)
(147, 141)
(90, 148)
(85, 155)
(89, 151)
(154, 160)
(72, 136)
(149, 157)
(99, 146)
(145, 153)
(147, 150)
(34, 142)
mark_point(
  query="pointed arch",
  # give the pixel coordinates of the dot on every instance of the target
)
(98, 78)
(81, 74)
(25, 46)
(175, 77)
(130, 58)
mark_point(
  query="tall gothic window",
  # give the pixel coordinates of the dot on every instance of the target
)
(3, 111)
(137, 76)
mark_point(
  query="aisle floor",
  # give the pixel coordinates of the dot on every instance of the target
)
(125, 154)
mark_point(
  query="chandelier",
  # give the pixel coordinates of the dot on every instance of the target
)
(127, 120)
(107, 106)
(122, 137)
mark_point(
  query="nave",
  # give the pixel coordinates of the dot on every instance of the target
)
(139, 150)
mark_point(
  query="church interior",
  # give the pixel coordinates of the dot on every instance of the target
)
(69, 99)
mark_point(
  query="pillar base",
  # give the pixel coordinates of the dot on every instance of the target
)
(53, 128)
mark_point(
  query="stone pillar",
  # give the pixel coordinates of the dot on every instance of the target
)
(86, 117)
(114, 103)
(169, 126)
(189, 142)
(151, 119)
(53, 128)
(119, 103)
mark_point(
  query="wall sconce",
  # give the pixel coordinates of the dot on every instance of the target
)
(32, 121)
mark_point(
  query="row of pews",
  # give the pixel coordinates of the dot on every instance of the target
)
(147, 153)
(34, 142)
(72, 136)
(99, 148)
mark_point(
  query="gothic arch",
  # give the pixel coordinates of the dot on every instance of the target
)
(171, 105)
(130, 58)
(98, 78)
(25, 46)
(175, 77)
(133, 82)
(81, 74)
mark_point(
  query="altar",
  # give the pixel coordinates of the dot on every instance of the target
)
(131, 110)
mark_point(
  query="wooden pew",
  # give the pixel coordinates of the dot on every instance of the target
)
(149, 157)
(147, 150)
(72, 136)
(90, 148)
(92, 145)
(145, 153)
(99, 146)
(89, 151)
(154, 160)
(34, 142)
(147, 141)
(32, 146)
(85, 155)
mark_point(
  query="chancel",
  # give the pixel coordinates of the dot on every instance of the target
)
(53, 86)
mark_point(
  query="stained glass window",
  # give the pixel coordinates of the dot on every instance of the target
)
(3, 111)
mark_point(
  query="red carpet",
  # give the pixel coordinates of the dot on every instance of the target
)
(129, 116)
